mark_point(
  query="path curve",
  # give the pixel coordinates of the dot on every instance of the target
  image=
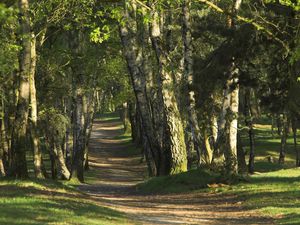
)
(117, 172)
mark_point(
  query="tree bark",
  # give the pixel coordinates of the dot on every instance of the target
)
(133, 56)
(193, 134)
(79, 144)
(89, 118)
(19, 146)
(59, 156)
(174, 137)
(231, 162)
(37, 154)
(230, 153)
(3, 140)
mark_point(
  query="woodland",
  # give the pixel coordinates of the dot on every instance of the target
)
(196, 101)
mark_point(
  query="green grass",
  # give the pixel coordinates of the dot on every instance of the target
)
(108, 116)
(275, 194)
(183, 182)
(267, 145)
(49, 202)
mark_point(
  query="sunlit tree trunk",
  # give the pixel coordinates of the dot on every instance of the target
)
(37, 154)
(153, 91)
(79, 144)
(4, 148)
(174, 141)
(58, 161)
(230, 153)
(125, 116)
(2, 140)
(133, 56)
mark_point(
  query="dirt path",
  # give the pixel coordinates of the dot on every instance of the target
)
(116, 173)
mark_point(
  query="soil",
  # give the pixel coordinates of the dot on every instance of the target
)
(116, 172)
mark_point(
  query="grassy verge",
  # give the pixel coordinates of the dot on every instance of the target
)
(49, 202)
(275, 194)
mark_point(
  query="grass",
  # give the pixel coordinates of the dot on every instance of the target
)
(274, 190)
(50, 202)
(268, 145)
(275, 194)
(183, 182)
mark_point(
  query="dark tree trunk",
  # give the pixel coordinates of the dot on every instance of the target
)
(284, 134)
(249, 123)
(19, 139)
(297, 151)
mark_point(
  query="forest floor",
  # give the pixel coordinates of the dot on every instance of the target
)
(116, 170)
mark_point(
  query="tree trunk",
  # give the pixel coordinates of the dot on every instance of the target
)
(126, 120)
(133, 57)
(19, 147)
(135, 124)
(297, 152)
(53, 166)
(192, 121)
(153, 91)
(3, 141)
(249, 123)
(59, 156)
(174, 141)
(37, 154)
(222, 127)
(88, 129)
(284, 134)
(230, 153)
(231, 164)
(272, 126)
(79, 144)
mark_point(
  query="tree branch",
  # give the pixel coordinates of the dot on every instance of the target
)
(247, 20)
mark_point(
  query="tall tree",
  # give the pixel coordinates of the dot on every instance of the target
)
(174, 141)
(19, 139)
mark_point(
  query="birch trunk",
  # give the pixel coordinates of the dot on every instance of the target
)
(79, 144)
(174, 141)
(37, 154)
(231, 161)
(59, 160)
(133, 56)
